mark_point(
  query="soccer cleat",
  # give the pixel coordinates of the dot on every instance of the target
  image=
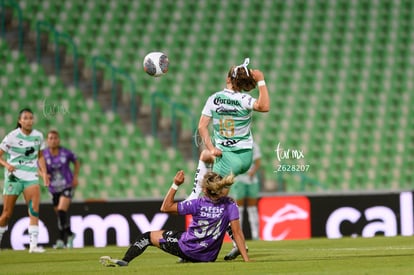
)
(233, 254)
(182, 261)
(109, 262)
(59, 244)
(69, 244)
(36, 249)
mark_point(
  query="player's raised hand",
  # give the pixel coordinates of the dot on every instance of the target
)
(179, 178)
(257, 75)
(216, 152)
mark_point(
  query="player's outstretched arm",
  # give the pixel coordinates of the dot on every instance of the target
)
(262, 103)
(169, 205)
(239, 239)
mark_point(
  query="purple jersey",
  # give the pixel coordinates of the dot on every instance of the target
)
(59, 168)
(203, 239)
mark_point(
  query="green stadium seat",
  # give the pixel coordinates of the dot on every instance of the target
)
(82, 133)
(337, 72)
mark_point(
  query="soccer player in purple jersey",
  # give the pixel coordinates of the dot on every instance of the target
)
(203, 239)
(62, 184)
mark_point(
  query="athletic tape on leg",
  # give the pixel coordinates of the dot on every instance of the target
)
(31, 210)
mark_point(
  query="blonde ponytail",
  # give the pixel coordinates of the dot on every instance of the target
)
(213, 183)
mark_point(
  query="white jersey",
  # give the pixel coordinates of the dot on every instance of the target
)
(232, 114)
(22, 152)
(245, 178)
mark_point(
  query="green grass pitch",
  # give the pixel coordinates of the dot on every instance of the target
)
(378, 255)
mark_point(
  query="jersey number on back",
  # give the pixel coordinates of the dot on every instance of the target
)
(207, 229)
(226, 127)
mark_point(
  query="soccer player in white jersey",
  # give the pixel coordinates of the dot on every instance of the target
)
(23, 147)
(230, 112)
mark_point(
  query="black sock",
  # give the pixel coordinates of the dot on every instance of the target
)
(138, 247)
(67, 228)
(62, 235)
(62, 224)
(68, 231)
(230, 232)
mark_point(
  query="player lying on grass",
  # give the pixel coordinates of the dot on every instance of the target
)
(203, 239)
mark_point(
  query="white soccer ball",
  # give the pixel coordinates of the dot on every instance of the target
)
(156, 64)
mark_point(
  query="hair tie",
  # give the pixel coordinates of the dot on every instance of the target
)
(244, 65)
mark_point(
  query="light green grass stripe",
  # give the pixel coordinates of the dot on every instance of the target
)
(378, 255)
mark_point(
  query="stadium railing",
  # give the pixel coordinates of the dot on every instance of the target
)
(15, 6)
(176, 108)
(58, 37)
(114, 73)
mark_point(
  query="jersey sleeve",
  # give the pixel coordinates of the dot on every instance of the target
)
(208, 107)
(72, 155)
(187, 207)
(47, 157)
(247, 101)
(42, 142)
(5, 144)
(233, 212)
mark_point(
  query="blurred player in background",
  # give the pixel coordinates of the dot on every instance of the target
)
(62, 184)
(246, 191)
(204, 237)
(230, 112)
(23, 147)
